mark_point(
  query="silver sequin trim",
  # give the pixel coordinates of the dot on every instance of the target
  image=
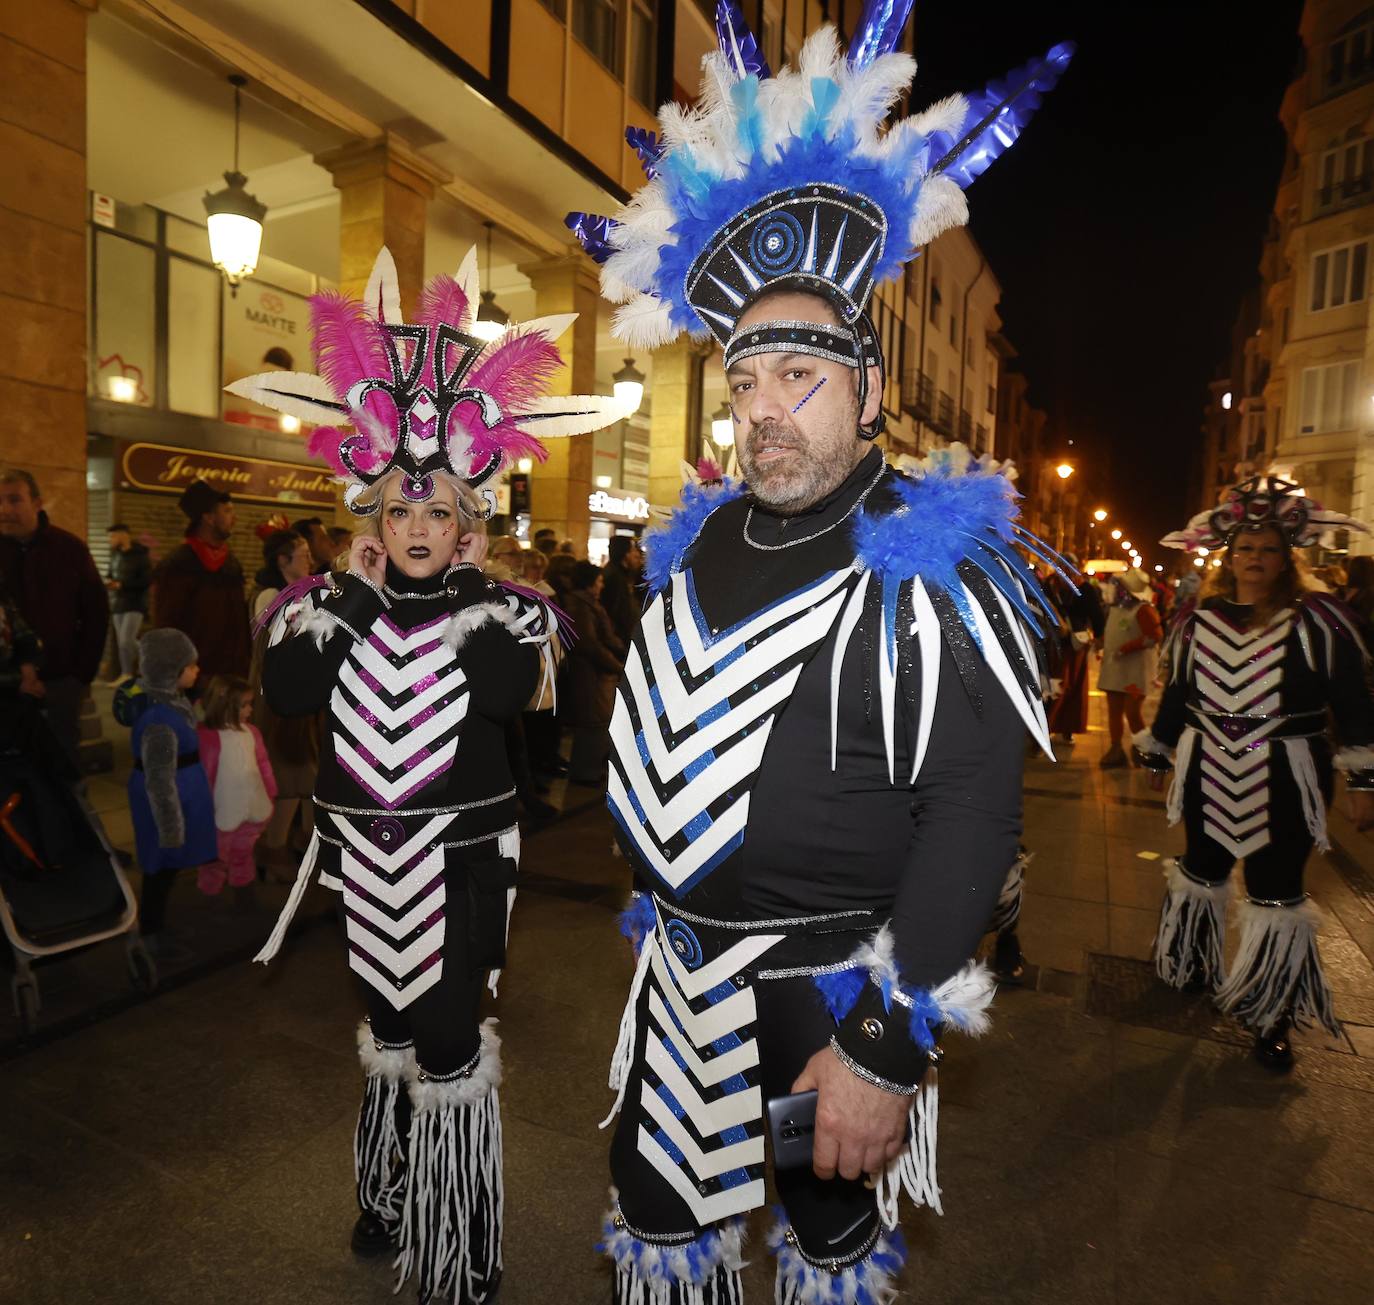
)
(869, 1076)
(412, 811)
(756, 926)
(825, 530)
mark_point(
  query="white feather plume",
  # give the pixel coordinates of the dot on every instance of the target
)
(945, 115)
(868, 94)
(628, 273)
(643, 323)
(940, 205)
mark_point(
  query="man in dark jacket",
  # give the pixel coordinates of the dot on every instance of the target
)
(52, 579)
(131, 571)
(620, 594)
(199, 589)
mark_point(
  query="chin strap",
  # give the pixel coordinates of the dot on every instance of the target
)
(870, 355)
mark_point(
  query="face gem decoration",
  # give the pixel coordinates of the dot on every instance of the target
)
(417, 488)
(806, 397)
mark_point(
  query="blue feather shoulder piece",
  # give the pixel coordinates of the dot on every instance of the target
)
(665, 546)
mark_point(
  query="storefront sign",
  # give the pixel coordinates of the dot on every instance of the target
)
(168, 470)
(102, 210)
(603, 504)
(265, 330)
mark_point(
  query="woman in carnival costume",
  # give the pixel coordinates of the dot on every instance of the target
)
(1132, 633)
(817, 742)
(1253, 670)
(419, 661)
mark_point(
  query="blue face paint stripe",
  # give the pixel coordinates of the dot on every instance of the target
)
(805, 397)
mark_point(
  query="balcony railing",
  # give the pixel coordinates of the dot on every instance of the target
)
(1350, 193)
(965, 425)
(943, 421)
(918, 394)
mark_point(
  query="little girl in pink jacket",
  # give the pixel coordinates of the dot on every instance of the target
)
(241, 781)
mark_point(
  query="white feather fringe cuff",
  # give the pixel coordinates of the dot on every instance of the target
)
(869, 1280)
(698, 1269)
(1192, 930)
(1353, 759)
(1278, 972)
(462, 625)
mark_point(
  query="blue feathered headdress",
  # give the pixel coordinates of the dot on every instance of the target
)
(734, 202)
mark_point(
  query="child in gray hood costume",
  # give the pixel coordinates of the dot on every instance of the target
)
(169, 795)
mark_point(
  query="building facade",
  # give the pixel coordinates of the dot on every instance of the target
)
(425, 125)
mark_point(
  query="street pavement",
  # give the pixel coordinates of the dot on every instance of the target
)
(1108, 1141)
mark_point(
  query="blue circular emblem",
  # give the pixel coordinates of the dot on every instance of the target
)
(684, 944)
(776, 244)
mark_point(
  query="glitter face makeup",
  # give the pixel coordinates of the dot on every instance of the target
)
(803, 400)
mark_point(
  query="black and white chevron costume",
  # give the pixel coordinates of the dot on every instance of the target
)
(415, 826)
(1244, 721)
(815, 773)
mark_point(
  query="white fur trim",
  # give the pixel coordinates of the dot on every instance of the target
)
(461, 626)
(383, 1062)
(481, 1083)
(1145, 742)
(1277, 971)
(963, 998)
(316, 622)
(649, 1273)
(801, 1281)
(1361, 758)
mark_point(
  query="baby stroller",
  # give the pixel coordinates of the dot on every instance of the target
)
(61, 885)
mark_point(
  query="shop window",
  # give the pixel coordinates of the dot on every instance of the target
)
(643, 51)
(124, 366)
(193, 374)
(594, 23)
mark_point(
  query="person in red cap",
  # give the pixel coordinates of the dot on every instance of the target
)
(199, 587)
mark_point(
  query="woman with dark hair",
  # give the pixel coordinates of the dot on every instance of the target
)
(594, 665)
(1257, 670)
(293, 742)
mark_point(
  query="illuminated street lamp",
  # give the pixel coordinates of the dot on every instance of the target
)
(1100, 514)
(1063, 471)
(492, 319)
(723, 426)
(234, 217)
(1116, 534)
(629, 386)
(1126, 544)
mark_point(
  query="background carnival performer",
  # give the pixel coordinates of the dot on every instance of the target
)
(1253, 670)
(420, 662)
(827, 682)
(1131, 636)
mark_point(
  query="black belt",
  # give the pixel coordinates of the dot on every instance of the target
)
(1294, 725)
(183, 760)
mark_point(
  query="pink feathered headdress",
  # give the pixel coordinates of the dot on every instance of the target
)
(426, 397)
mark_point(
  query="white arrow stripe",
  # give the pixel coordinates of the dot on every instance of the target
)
(399, 998)
(1238, 848)
(706, 1072)
(389, 754)
(692, 983)
(1231, 677)
(728, 1016)
(398, 929)
(729, 823)
(397, 680)
(410, 706)
(393, 861)
(707, 1116)
(699, 657)
(703, 1164)
(1236, 808)
(401, 961)
(705, 1209)
(409, 781)
(403, 643)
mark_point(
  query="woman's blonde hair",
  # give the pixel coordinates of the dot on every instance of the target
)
(222, 705)
(472, 509)
(1290, 586)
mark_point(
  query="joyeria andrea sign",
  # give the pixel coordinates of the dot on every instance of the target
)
(167, 470)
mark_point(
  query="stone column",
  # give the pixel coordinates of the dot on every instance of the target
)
(384, 193)
(43, 210)
(560, 486)
(674, 418)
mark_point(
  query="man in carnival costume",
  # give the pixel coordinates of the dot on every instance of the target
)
(419, 662)
(817, 744)
(1268, 693)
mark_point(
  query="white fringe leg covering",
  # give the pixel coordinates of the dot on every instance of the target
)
(696, 1268)
(869, 1280)
(1278, 971)
(1007, 912)
(1304, 768)
(451, 1226)
(1183, 759)
(379, 1157)
(915, 1170)
(622, 1059)
(1192, 929)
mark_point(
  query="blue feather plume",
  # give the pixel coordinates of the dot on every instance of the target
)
(646, 144)
(638, 920)
(737, 42)
(997, 115)
(666, 545)
(840, 989)
(593, 233)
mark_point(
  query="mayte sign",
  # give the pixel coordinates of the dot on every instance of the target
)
(603, 504)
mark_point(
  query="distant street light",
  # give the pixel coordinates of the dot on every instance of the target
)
(1063, 471)
(1100, 514)
(1116, 534)
(1158, 567)
(1126, 544)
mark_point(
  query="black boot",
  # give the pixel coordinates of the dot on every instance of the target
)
(371, 1237)
(1273, 1049)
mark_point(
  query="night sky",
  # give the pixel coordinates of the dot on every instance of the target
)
(1126, 224)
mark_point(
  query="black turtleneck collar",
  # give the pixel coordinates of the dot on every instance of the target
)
(398, 583)
(769, 527)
